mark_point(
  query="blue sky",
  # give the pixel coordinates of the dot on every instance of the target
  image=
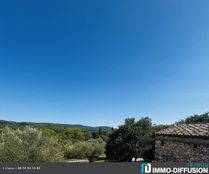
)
(99, 62)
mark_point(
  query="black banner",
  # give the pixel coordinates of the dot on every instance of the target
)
(102, 168)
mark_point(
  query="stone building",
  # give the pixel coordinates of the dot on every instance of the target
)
(183, 142)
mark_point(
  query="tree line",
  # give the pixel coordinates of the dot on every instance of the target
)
(32, 143)
(35, 143)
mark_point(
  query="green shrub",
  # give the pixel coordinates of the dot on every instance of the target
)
(133, 139)
(90, 149)
(28, 145)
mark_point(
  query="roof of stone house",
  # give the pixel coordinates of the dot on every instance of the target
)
(191, 130)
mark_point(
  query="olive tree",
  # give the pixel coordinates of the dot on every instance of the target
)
(28, 145)
(90, 149)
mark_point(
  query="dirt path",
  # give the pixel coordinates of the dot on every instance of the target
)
(77, 161)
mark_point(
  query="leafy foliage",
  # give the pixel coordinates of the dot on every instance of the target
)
(160, 127)
(44, 142)
(90, 149)
(87, 135)
(73, 134)
(203, 118)
(28, 145)
(133, 139)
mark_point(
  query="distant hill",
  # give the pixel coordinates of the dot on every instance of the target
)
(55, 126)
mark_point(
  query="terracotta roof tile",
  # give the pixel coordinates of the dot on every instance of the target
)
(197, 130)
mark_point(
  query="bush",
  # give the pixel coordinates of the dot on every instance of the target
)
(133, 139)
(90, 149)
(73, 135)
(28, 145)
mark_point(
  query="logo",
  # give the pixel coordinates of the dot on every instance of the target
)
(146, 168)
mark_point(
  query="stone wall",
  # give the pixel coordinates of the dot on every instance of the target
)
(177, 149)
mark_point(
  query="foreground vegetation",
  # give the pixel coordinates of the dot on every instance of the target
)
(49, 143)
(37, 143)
(28, 145)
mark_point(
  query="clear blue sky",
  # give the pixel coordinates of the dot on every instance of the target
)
(98, 62)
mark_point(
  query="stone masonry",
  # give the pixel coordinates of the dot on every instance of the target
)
(184, 142)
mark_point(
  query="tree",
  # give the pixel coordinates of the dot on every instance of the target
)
(203, 118)
(28, 145)
(160, 127)
(95, 148)
(133, 139)
(48, 132)
(90, 149)
(87, 135)
(73, 134)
